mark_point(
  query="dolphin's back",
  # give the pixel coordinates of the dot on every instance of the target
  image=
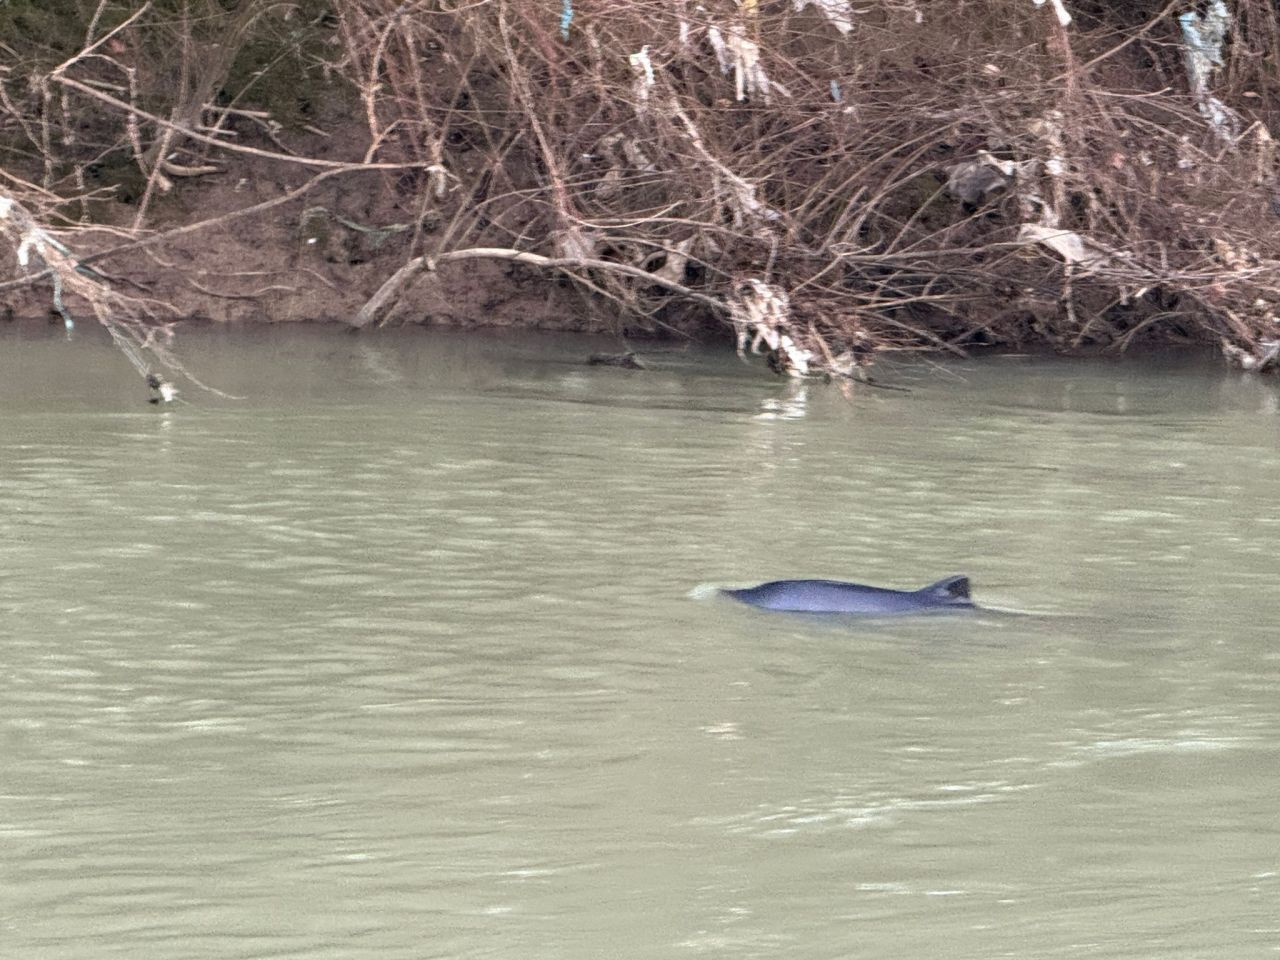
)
(834, 596)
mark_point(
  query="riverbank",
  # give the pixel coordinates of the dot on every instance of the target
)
(639, 169)
(315, 253)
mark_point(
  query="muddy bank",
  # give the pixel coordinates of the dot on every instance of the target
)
(316, 259)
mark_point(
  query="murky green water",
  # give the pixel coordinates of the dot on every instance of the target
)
(397, 658)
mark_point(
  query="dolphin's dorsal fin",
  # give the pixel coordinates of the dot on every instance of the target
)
(954, 588)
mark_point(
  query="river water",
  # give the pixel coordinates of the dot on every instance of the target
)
(408, 653)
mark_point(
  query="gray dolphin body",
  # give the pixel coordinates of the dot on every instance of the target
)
(833, 596)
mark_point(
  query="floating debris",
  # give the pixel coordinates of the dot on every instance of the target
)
(628, 360)
(761, 314)
(162, 391)
(1267, 357)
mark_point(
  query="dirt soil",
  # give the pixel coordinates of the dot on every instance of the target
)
(317, 258)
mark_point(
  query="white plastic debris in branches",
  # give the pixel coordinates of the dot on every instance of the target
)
(1064, 18)
(761, 314)
(839, 12)
(1078, 252)
(36, 248)
(974, 180)
(1204, 37)
(684, 23)
(748, 73)
(438, 178)
(746, 201)
(735, 52)
(719, 48)
(1049, 129)
(1266, 356)
(642, 67)
(1222, 118)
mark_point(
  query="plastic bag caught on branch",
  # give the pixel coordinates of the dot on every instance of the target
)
(126, 319)
(1266, 357)
(1059, 10)
(734, 52)
(1077, 251)
(36, 250)
(642, 68)
(1204, 37)
(839, 12)
(974, 180)
(761, 314)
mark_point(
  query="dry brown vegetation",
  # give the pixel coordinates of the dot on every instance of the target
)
(827, 182)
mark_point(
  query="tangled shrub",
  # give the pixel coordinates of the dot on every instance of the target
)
(905, 175)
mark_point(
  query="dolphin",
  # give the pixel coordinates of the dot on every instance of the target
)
(833, 596)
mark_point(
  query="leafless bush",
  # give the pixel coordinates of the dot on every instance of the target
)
(906, 175)
(909, 176)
